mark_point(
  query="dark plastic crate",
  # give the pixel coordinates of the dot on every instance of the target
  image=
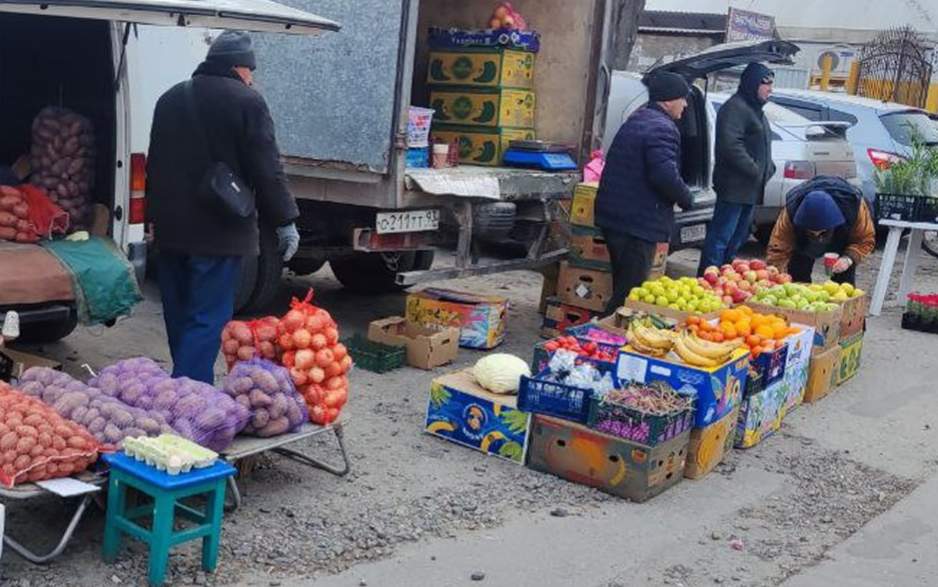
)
(897, 207)
(550, 398)
(375, 356)
(928, 209)
(913, 322)
(637, 426)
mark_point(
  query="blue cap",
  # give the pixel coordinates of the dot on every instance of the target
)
(818, 211)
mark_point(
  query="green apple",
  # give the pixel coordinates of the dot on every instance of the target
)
(786, 304)
(650, 299)
(662, 301)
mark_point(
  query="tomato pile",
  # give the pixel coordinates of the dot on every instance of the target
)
(587, 349)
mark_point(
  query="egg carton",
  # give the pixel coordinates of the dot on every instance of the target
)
(169, 453)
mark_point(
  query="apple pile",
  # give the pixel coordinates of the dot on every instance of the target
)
(736, 282)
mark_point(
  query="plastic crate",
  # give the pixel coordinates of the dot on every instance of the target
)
(928, 209)
(637, 426)
(897, 207)
(375, 356)
(551, 398)
(913, 322)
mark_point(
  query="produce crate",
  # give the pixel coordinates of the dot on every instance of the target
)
(488, 67)
(928, 209)
(897, 207)
(766, 370)
(559, 317)
(375, 356)
(480, 145)
(538, 396)
(637, 426)
(910, 321)
(491, 108)
(542, 355)
(588, 249)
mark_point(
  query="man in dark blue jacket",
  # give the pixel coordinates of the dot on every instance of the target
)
(641, 183)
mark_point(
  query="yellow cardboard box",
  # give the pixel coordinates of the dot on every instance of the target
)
(482, 67)
(479, 145)
(483, 107)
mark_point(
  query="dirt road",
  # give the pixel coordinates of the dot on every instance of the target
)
(844, 486)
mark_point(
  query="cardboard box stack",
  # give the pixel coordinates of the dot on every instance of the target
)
(483, 94)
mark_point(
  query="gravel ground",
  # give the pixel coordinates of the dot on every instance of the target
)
(407, 487)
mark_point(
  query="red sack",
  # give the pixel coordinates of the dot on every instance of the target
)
(318, 362)
(47, 218)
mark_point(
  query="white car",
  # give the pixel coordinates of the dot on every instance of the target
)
(801, 149)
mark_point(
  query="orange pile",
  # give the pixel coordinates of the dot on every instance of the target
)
(760, 333)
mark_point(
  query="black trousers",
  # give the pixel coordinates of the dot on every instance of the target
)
(800, 268)
(632, 259)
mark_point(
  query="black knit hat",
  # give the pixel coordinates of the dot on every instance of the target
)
(665, 86)
(232, 49)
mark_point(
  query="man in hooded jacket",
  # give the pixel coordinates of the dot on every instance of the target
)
(201, 244)
(743, 165)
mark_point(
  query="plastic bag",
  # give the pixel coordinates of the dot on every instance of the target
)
(267, 391)
(506, 17)
(38, 444)
(244, 341)
(318, 362)
(195, 410)
(593, 170)
(108, 419)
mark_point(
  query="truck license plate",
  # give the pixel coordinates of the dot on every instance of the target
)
(697, 232)
(407, 221)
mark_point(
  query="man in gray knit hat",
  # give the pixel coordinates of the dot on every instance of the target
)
(214, 118)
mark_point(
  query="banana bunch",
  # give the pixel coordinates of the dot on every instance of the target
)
(703, 353)
(650, 340)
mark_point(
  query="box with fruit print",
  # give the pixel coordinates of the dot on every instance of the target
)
(761, 414)
(717, 390)
(480, 318)
(709, 444)
(614, 465)
(461, 411)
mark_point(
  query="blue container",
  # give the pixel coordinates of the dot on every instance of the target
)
(550, 398)
(418, 158)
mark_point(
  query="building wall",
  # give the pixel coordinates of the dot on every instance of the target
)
(650, 49)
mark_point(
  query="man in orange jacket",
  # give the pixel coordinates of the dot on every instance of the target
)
(823, 215)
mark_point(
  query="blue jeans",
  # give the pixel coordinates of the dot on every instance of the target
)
(728, 232)
(198, 300)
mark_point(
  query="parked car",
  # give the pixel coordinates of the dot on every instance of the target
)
(801, 149)
(627, 93)
(880, 131)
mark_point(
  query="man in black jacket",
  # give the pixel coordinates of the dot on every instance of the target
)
(201, 243)
(641, 183)
(743, 165)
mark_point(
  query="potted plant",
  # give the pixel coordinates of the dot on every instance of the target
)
(907, 189)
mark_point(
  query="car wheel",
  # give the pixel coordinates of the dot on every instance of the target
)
(377, 272)
(305, 266)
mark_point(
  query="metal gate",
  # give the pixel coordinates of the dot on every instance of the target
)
(896, 66)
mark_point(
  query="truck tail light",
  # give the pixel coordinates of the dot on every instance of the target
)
(800, 170)
(882, 159)
(138, 188)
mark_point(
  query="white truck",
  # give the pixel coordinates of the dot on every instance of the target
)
(340, 104)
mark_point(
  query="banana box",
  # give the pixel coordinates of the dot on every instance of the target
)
(614, 465)
(480, 145)
(709, 444)
(493, 108)
(717, 390)
(461, 411)
(482, 67)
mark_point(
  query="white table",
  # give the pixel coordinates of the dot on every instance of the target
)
(912, 254)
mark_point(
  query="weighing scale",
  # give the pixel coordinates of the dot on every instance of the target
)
(539, 155)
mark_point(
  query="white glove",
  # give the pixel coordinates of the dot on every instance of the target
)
(289, 241)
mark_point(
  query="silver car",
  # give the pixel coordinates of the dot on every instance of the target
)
(801, 149)
(879, 132)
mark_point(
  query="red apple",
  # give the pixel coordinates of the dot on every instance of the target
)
(732, 276)
(712, 269)
(757, 264)
(772, 269)
(745, 286)
(731, 287)
(728, 299)
(784, 278)
(761, 274)
(742, 268)
(711, 278)
(740, 297)
(725, 268)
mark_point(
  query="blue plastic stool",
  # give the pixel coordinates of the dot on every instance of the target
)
(167, 492)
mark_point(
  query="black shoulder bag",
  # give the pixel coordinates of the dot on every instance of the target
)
(220, 185)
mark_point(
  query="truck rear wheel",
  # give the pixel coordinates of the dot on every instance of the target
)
(260, 277)
(377, 272)
(48, 331)
(305, 266)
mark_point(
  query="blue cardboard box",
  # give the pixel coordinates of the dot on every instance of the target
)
(461, 411)
(717, 389)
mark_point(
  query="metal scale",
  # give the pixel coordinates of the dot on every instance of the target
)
(541, 155)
